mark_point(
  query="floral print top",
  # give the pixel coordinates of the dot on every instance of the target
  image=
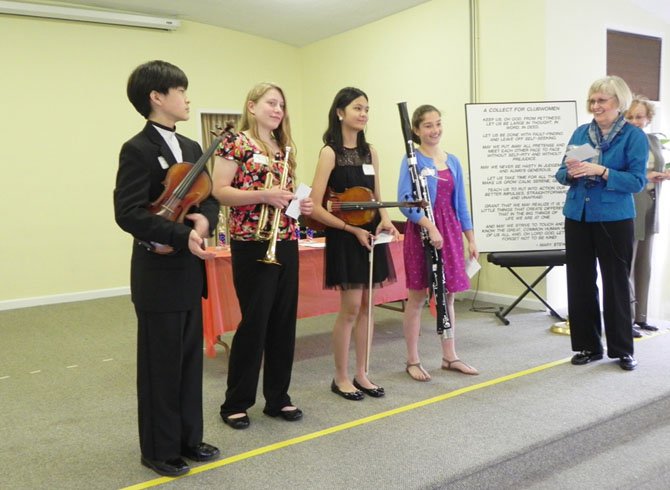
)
(253, 168)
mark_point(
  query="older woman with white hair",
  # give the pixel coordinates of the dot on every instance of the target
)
(599, 213)
(640, 114)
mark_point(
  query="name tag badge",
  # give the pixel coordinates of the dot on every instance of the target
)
(163, 162)
(368, 169)
(260, 159)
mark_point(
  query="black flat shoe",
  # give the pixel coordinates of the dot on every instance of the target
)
(171, 467)
(201, 452)
(348, 395)
(636, 332)
(627, 363)
(237, 423)
(288, 415)
(585, 356)
(646, 326)
(376, 392)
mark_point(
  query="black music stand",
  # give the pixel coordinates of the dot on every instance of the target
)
(542, 258)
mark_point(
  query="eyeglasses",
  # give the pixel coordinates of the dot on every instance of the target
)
(599, 101)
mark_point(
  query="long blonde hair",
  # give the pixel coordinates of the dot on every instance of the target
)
(283, 132)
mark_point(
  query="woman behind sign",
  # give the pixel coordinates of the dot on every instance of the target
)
(640, 114)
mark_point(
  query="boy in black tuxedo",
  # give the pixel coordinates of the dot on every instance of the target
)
(166, 289)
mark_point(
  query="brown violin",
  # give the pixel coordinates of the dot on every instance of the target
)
(357, 206)
(186, 185)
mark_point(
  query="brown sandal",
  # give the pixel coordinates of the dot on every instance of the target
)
(449, 367)
(420, 368)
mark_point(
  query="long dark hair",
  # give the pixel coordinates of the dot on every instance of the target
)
(333, 135)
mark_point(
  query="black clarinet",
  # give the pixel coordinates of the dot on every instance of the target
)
(433, 255)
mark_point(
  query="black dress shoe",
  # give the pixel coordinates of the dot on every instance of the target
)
(646, 326)
(201, 452)
(627, 363)
(349, 395)
(585, 356)
(236, 423)
(636, 332)
(376, 392)
(171, 467)
(288, 415)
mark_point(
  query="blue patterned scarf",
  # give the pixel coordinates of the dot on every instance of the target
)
(602, 144)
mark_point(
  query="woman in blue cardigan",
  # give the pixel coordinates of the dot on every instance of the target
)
(599, 213)
(452, 220)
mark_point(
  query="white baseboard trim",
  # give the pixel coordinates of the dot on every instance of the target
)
(495, 298)
(502, 299)
(13, 304)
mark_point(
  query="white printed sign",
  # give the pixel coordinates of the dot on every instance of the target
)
(514, 150)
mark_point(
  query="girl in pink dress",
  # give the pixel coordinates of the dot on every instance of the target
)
(447, 194)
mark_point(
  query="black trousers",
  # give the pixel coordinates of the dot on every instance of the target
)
(169, 381)
(611, 245)
(268, 298)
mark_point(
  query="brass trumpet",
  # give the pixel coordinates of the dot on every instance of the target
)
(271, 234)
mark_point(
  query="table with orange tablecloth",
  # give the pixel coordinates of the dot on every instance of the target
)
(221, 311)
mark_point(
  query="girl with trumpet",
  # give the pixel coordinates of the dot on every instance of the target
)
(345, 161)
(267, 292)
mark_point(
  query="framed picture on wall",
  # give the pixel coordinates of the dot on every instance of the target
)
(213, 122)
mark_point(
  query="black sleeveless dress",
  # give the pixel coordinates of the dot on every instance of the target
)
(347, 262)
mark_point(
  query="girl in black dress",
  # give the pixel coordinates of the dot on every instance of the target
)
(345, 161)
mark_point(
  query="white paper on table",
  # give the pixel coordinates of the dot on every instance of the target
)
(293, 209)
(382, 237)
(472, 267)
(582, 152)
(305, 243)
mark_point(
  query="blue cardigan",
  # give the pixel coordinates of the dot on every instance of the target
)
(458, 201)
(611, 199)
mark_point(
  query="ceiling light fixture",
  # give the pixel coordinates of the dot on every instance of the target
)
(86, 15)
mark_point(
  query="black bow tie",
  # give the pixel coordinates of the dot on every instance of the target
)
(172, 129)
